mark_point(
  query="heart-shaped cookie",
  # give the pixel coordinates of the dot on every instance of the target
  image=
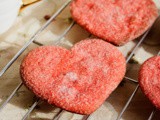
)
(117, 21)
(77, 80)
(149, 79)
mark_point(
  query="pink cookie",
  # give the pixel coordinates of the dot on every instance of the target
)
(149, 79)
(116, 21)
(77, 80)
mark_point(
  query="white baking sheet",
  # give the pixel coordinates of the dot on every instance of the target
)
(31, 19)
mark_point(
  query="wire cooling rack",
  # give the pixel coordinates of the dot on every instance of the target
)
(32, 40)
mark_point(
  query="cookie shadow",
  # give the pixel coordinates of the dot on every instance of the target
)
(151, 44)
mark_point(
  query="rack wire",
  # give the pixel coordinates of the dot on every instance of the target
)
(32, 40)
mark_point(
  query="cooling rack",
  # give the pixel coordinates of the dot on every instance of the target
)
(32, 40)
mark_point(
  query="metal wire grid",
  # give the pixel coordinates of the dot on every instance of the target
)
(8, 65)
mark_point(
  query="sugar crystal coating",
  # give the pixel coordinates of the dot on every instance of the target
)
(116, 21)
(149, 79)
(78, 80)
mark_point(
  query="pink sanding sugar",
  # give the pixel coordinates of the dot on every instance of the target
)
(116, 21)
(149, 79)
(78, 80)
